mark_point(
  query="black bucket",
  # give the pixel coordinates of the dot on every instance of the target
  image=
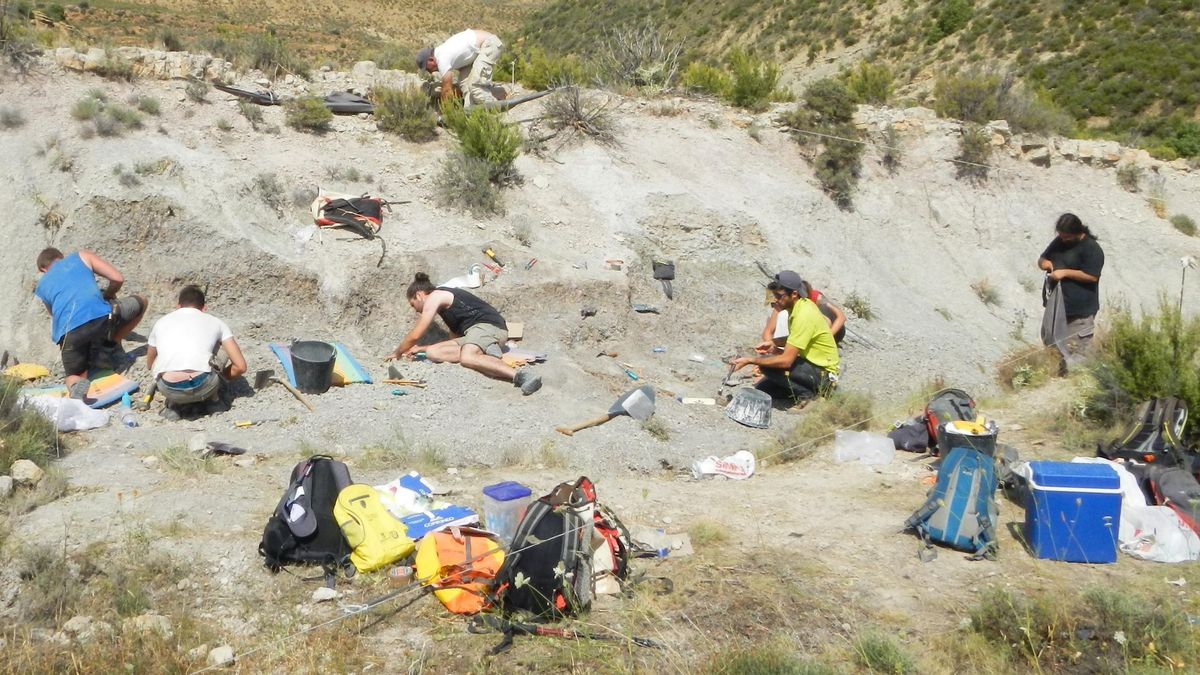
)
(312, 363)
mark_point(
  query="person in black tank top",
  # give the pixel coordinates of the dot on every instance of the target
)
(477, 333)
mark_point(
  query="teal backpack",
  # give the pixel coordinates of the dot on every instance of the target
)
(960, 510)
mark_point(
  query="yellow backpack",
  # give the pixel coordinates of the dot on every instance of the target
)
(377, 538)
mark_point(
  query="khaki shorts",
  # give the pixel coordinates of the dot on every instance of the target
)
(484, 335)
(477, 86)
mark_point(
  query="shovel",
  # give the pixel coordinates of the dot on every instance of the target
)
(265, 377)
(637, 403)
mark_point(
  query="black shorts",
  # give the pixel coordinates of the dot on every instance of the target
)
(79, 344)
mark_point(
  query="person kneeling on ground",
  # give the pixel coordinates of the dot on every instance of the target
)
(473, 54)
(808, 365)
(87, 324)
(775, 333)
(190, 353)
(477, 332)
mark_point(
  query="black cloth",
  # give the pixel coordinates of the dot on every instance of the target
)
(1079, 298)
(468, 310)
(802, 383)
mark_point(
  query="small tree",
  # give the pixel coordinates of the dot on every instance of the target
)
(307, 113)
(405, 112)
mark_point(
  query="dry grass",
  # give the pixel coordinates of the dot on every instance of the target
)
(402, 455)
(1026, 368)
(820, 420)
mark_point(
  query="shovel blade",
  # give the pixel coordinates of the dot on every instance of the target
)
(639, 403)
(262, 378)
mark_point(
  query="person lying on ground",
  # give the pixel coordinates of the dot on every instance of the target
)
(808, 365)
(776, 330)
(473, 55)
(477, 332)
(1074, 261)
(190, 352)
(86, 323)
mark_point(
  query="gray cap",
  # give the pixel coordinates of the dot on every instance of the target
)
(423, 58)
(789, 280)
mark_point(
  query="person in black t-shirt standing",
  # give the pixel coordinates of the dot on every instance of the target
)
(477, 332)
(1074, 260)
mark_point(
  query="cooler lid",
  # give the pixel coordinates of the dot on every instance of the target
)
(507, 491)
(1074, 475)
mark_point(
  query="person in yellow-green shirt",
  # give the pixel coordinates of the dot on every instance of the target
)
(808, 365)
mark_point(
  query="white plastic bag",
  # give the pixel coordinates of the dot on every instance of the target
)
(866, 447)
(68, 414)
(1157, 533)
(737, 466)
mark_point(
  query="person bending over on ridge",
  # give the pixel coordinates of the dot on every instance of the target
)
(87, 324)
(190, 352)
(774, 335)
(1074, 260)
(473, 54)
(477, 332)
(808, 365)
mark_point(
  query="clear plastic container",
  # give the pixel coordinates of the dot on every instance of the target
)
(504, 506)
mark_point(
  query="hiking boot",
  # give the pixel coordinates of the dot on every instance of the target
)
(170, 414)
(527, 381)
(109, 356)
(79, 390)
(215, 407)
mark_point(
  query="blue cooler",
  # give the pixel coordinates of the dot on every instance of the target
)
(1073, 512)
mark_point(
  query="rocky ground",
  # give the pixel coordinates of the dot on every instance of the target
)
(713, 189)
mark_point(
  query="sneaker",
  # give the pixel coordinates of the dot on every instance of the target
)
(170, 414)
(79, 390)
(527, 381)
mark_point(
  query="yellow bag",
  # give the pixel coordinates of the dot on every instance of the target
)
(27, 371)
(376, 537)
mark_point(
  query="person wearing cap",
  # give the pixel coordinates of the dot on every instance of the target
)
(808, 365)
(774, 335)
(473, 55)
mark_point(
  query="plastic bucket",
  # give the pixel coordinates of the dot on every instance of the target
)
(312, 363)
(750, 407)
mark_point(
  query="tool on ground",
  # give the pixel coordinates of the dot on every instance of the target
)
(624, 366)
(664, 271)
(529, 265)
(242, 424)
(642, 308)
(144, 404)
(637, 403)
(487, 623)
(492, 254)
(405, 382)
(264, 378)
(399, 392)
(218, 448)
(494, 269)
(394, 373)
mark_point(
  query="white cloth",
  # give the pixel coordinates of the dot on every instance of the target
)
(781, 324)
(457, 52)
(186, 340)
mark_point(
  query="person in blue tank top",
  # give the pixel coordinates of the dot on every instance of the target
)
(86, 323)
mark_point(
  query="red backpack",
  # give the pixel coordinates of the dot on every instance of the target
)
(947, 405)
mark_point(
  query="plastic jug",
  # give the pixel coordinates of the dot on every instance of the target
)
(504, 506)
(866, 447)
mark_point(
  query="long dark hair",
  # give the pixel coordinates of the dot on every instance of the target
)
(420, 283)
(1069, 223)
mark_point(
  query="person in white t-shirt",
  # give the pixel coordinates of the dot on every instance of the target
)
(190, 352)
(472, 54)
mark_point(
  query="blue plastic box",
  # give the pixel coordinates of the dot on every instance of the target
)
(1074, 511)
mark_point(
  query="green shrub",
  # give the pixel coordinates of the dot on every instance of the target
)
(1129, 176)
(974, 154)
(124, 115)
(882, 653)
(830, 102)
(269, 54)
(405, 112)
(197, 90)
(251, 111)
(1186, 139)
(753, 81)
(56, 12)
(483, 134)
(148, 105)
(538, 70)
(952, 16)
(1184, 224)
(24, 433)
(115, 67)
(891, 152)
(641, 55)
(170, 40)
(465, 183)
(982, 96)
(870, 83)
(702, 78)
(839, 165)
(307, 113)
(1138, 359)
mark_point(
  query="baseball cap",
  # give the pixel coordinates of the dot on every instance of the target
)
(789, 280)
(423, 58)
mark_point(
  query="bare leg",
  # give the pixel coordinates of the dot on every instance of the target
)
(126, 328)
(473, 357)
(443, 352)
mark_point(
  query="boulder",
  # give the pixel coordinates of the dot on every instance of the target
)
(919, 113)
(1000, 127)
(220, 657)
(1068, 148)
(149, 624)
(6, 486)
(1039, 156)
(84, 629)
(1179, 164)
(196, 653)
(92, 60)
(25, 472)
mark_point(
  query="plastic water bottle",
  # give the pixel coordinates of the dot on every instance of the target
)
(401, 573)
(127, 417)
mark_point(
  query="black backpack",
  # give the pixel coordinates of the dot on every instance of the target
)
(1154, 436)
(548, 570)
(302, 529)
(947, 405)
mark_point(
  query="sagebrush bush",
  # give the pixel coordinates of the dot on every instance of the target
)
(465, 183)
(1129, 176)
(538, 70)
(405, 111)
(269, 54)
(641, 55)
(753, 81)
(1138, 359)
(307, 113)
(148, 105)
(981, 96)
(870, 83)
(1184, 224)
(86, 108)
(702, 78)
(251, 111)
(485, 135)
(974, 154)
(197, 90)
(839, 165)
(115, 67)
